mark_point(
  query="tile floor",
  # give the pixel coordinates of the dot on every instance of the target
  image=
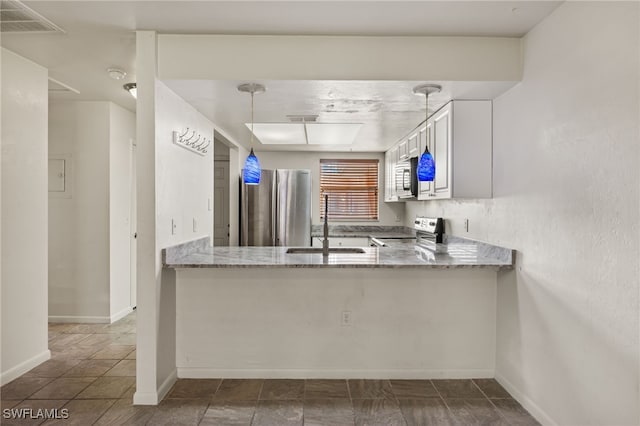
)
(92, 375)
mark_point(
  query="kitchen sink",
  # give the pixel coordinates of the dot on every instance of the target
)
(312, 250)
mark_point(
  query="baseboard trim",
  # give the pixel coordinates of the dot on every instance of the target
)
(23, 367)
(154, 398)
(166, 386)
(534, 409)
(212, 373)
(79, 319)
(119, 315)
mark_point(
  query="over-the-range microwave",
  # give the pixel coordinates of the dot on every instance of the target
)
(407, 178)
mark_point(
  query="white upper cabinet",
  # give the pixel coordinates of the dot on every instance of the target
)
(390, 160)
(403, 150)
(461, 144)
(459, 136)
(413, 145)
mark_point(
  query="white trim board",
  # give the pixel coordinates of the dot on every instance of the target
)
(210, 373)
(119, 315)
(538, 413)
(23, 367)
(79, 319)
(91, 319)
(153, 398)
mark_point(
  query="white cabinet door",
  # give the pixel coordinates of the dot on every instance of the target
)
(413, 145)
(441, 151)
(425, 137)
(403, 150)
(390, 160)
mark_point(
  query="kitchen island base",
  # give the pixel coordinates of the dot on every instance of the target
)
(398, 323)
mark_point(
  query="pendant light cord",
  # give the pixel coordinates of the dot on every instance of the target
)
(251, 141)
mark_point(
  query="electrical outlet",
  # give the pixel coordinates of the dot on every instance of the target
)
(195, 225)
(346, 318)
(174, 227)
(209, 204)
(466, 225)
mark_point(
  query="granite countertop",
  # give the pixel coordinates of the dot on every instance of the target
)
(461, 253)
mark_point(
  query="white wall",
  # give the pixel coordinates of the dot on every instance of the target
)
(89, 254)
(287, 323)
(389, 213)
(185, 179)
(24, 215)
(566, 173)
(79, 226)
(122, 128)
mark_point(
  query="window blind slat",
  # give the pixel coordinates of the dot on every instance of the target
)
(352, 186)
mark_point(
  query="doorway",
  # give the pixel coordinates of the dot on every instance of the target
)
(221, 222)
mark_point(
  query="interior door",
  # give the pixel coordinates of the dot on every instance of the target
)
(221, 203)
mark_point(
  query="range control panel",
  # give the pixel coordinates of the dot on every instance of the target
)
(432, 225)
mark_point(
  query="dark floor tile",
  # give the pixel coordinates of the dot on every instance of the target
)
(179, 412)
(74, 352)
(129, 393)
(63, 388)
(125, 413)
(86, 328)
(323, 389)
(33, 417)
(370, 389)
(457, 389)
(107, 388)
(229, 413)
(52, 368)
(282, 389)
(474, 412)
(63, 341)
(413, 389)
(514, 413)
(91, 368)
(194, 388)
(125, 339)
(114, 352)
(8, 403)
(60, 327)
(83, 412)
(125, 367)
(328, 412)
(238, 390)
(382, 412)
(121, 328)
(425, 411)
(491, 388)
(278, 413)
(23, 387)
(98, 341)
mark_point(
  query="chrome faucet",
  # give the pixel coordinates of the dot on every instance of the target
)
(325, 242)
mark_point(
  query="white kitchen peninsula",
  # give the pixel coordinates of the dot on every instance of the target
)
(386, 313)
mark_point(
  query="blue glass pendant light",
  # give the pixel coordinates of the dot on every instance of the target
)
(251, 172)
(426, 169)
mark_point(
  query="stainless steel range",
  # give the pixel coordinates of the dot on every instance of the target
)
(429, 235)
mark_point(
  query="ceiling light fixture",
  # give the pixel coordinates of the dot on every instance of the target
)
(116, 73)
(251, 171)
(132, 89)
(426, 164)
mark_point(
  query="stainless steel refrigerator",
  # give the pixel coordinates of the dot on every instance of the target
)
(277, 212)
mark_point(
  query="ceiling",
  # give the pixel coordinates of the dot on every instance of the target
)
(101, 34)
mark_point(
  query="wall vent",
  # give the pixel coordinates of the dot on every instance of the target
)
(15, 17)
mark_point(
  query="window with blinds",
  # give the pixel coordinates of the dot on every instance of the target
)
(352, 187)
